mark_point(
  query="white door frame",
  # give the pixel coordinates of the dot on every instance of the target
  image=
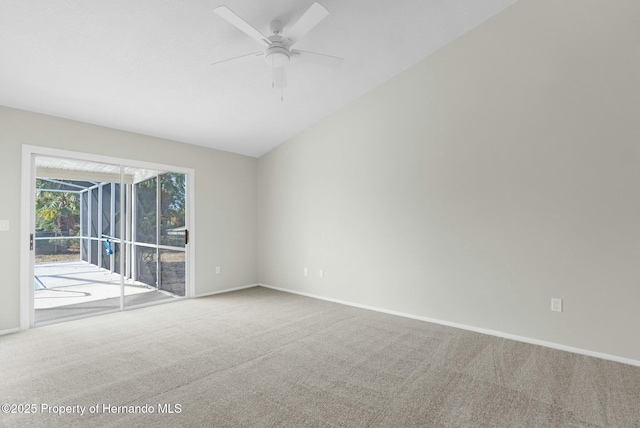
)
(27, 225)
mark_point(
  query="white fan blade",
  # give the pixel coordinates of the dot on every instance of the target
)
(279, 78)
(241, 24)
(310, 19)
(318, 58)
(238, 57)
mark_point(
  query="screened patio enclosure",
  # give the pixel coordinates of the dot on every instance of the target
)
(106, 238)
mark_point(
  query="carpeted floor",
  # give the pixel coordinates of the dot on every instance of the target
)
(259, 357)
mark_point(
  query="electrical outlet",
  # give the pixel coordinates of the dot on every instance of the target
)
(305, 272)
(217, 269)
(4, 225)
(321, 273)
(556, 305)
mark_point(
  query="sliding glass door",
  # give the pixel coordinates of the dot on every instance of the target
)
(123, 231)
(160, 231)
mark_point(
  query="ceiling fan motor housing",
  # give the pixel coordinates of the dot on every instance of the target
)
(277, 54)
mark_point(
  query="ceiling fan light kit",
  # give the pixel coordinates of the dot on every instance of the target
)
(278, 52)
(277, 55)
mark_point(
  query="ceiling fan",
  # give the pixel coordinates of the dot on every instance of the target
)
(277, 49)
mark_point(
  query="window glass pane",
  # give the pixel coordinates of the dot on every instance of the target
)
(106, 209)
(106, 257)
(116, 226)
(116, 257)
(94, 213)
(146, 266)
(84, 196)
(146, 211)
(172, 204)
(58, 218)
(85, 250)
(172, 271)
(94, 251)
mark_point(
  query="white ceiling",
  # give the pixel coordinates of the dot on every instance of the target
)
(144, 65)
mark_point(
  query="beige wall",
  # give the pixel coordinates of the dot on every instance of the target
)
(225, 197)
(497, 173)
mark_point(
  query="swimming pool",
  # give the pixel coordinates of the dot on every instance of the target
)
(38, 284)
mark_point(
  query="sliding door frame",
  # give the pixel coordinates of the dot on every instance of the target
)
(27, 226)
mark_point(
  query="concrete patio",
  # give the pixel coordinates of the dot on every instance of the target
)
(79, 288)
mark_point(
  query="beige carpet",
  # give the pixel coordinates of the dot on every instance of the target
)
(259, 357)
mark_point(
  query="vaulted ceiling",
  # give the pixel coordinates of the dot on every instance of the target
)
(145, 66)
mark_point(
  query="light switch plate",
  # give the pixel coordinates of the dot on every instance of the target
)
(4, 225)
(556, 305)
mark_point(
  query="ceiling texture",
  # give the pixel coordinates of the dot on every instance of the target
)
(145, 66)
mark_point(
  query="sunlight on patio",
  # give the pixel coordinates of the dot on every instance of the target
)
(78, 282)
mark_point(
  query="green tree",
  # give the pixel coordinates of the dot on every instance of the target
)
(172, 204)
(172, 207)
(57, 211)
(171, 216)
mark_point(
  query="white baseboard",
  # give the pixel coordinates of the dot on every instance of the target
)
(226, 290)
(9, 331)
(503, 335)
